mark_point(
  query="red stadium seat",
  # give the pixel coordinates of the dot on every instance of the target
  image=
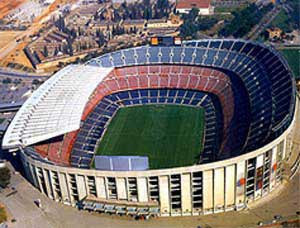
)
(122, 83)
(183, 81)
(133, 82)
(164, 81)
(143, 81)
(153, 81)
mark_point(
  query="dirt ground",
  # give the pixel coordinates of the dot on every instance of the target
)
(8, 36)
(7, 5)
(14, 51)
(17, 56)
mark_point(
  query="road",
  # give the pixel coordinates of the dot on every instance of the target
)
(4, 51)
(264, 22)
(8, 48)
(5, 72)
(11, 107)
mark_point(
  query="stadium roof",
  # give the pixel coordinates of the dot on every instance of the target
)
(56, 107)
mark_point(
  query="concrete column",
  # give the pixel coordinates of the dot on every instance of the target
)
(33, 174)
(273, 168)
(219, 189)
(285, 149)
(39, 182)
(100, 187)
(86, 185)
(72, 201)
(121, 188)
(142, 189)
(56, 197)
(48, 186)
(259, 176)
(27, 170)
(186, 194)
(64, 188)
(229, 186)
(82, 191)
(240, 183)
(164, 195)
(208, 191)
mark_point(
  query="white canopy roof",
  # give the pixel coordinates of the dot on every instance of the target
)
(56, 107)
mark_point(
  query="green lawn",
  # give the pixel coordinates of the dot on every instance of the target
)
(231, 9)
(282, 21)
(170, 135)
(293, 58)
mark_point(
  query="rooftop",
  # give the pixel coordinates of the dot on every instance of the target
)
(104, 23)
(154, 21)
(138, 21)
(189, 4)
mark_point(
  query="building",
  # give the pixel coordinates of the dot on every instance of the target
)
(104, 26)
(164, 27)
(132, 25)
(274, 33)
(157, 23)
(175, 19)
(185, 6)
(245, 143)
(173, 22)
(168, 31)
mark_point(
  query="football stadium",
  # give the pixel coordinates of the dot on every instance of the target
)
(167, 129)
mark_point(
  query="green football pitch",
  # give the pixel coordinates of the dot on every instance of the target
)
(170, 135)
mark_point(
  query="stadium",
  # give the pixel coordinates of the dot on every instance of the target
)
(167, 129)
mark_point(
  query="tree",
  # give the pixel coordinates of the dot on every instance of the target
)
(97, 32)
(244, 20)
(135, 29)
(56, 51)
(73, 33)
(6, 81)
(17, 81)
(205, 23)
(61, 24)
(61, 64)
(4, 177)
(101, 39)
(70, 48)
(65, 49)
(163, 6)
(147, 13)
(147, 10)
(45, 51)
(190, 27)
(35, 82)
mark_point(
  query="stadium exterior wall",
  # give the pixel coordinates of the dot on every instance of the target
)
(200, 189)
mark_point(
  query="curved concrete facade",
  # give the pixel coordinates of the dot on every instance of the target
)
(195, 190)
